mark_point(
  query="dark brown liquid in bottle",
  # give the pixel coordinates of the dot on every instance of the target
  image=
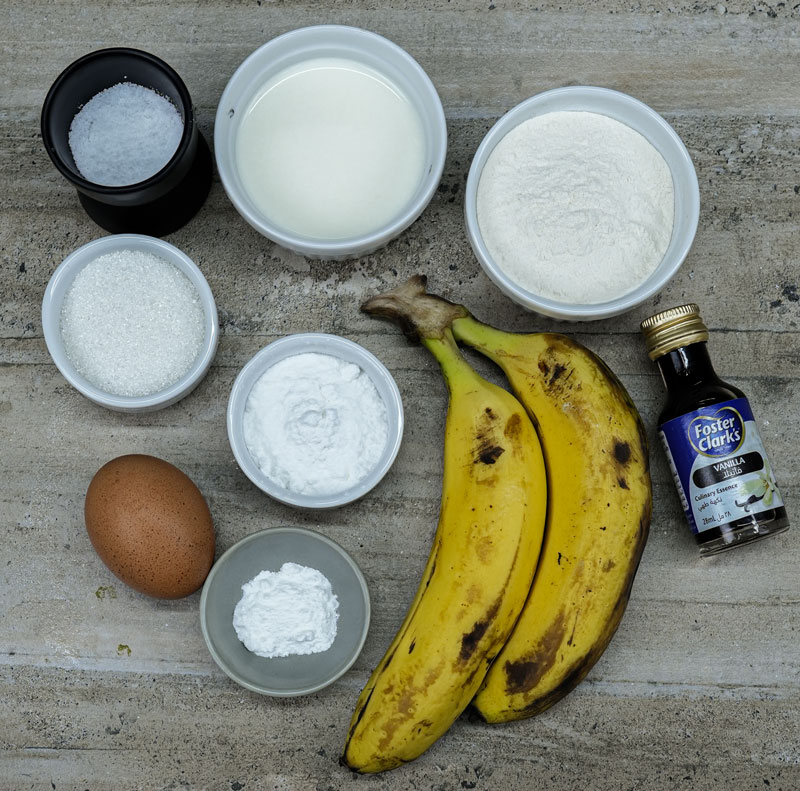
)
(692, 383)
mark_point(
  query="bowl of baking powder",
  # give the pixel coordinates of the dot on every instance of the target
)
(285, 611)
(581, 203)
(315, 420)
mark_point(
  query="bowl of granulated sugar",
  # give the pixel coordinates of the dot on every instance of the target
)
(581, 203)
(130, 322)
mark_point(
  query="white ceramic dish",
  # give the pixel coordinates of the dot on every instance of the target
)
(657, 131)
(335, 346)
(268, 550)
(51, 321)
(339, 41)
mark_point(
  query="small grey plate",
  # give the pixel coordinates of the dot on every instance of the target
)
(269, 550)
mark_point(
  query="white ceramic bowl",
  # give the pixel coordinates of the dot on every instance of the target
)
(657, 131)
(268, 550)
(335, 346)
(350, 43)
(51, 321)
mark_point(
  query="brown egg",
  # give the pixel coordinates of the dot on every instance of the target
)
(150, 525)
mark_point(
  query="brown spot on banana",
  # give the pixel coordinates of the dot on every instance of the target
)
(574, 627)
(473, 594)
(558, 371)
(424, 725)
(484, 549)
(513, 427)
(525, 673)
(469, 642)
(581, 668)
(480, 669)
(622, 452)
(555, 370)
(471, 639)
(521, 675)
(405, 706)
(488, 453)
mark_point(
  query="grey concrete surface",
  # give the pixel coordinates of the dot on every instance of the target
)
(103, 688)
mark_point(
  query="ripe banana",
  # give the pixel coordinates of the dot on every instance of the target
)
(597, 523)
(479, 570)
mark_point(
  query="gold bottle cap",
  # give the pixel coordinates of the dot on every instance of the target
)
(673, 328)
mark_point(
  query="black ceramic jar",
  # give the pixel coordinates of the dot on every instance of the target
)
(165, 201)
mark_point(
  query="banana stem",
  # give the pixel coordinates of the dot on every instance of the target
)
(450, 359)
(427, 318)
(482, 337)
(419, 314)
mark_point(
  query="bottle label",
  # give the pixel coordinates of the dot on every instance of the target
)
(719, 465)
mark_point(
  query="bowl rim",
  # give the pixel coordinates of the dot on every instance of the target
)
(63, 275)
(239, 546)
(564, 310)
(310, 38)
(321, 343)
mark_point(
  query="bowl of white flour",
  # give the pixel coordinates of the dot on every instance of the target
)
(285, 611)
(315, 420)
(581, 203)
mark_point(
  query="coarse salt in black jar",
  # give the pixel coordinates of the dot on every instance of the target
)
(130, 82)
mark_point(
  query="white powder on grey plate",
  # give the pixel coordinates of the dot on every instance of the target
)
(315, 424)
(124, 135)
(132, 323)
(289, 612)
(576, 206)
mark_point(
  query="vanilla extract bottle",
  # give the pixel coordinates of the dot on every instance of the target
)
(713, 447)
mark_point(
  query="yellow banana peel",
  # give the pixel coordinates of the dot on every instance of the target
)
(598, 517)
(479, 571)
